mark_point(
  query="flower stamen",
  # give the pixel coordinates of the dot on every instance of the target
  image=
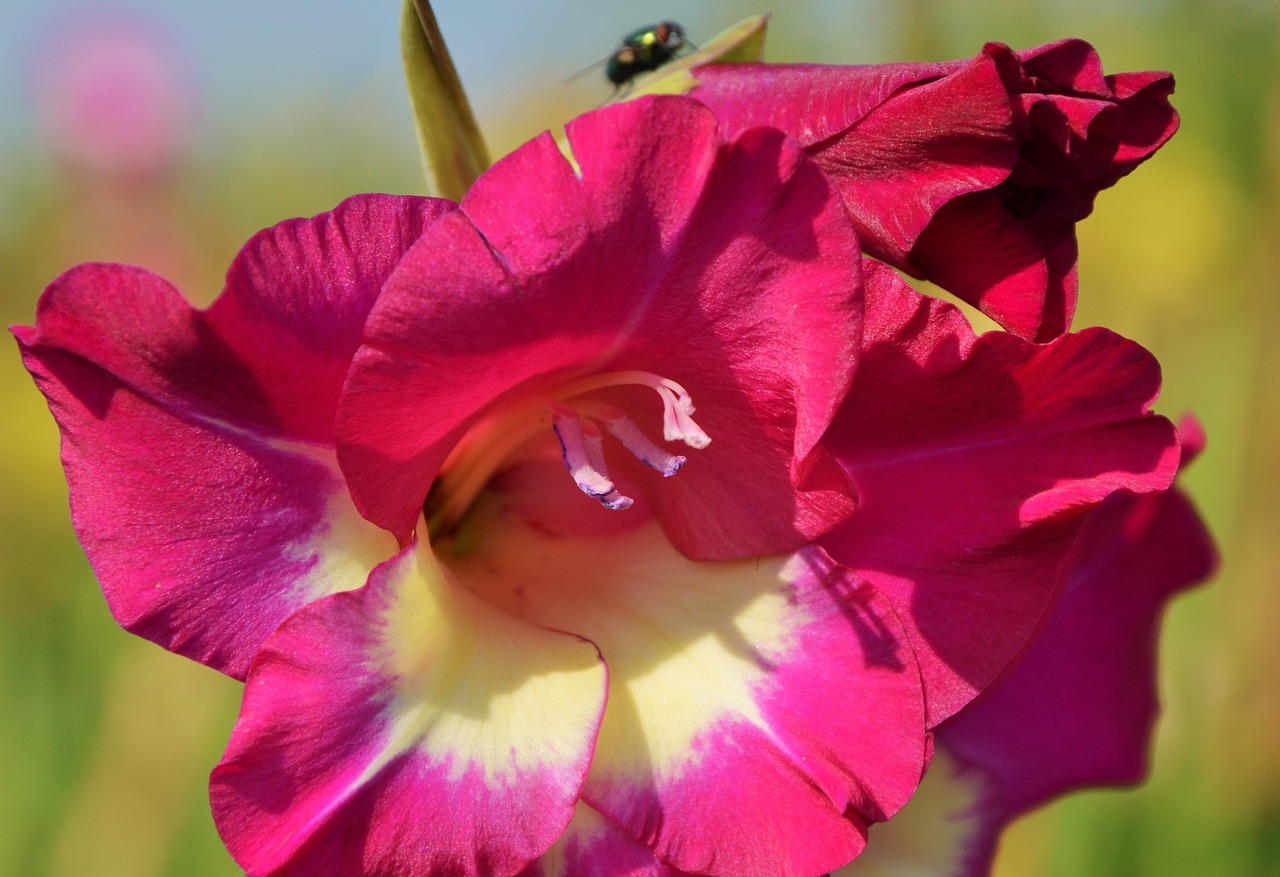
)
(677, 420)
(628, 432)
(573, 416)
(584, 458)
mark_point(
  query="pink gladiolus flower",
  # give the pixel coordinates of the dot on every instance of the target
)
(688, 529)
(971, 174)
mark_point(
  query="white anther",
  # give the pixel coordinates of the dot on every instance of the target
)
(625, 430)
(677, 424)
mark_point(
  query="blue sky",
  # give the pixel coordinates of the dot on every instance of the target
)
(252, 55)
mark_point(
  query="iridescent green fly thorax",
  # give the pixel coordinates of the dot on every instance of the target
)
(643, 50)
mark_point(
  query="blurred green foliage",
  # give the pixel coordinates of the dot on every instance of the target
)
(105, 741)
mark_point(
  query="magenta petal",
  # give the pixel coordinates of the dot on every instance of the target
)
(1097, 656)
(297, 298)
(783, 307)
(1078, 706)
(407, 728)
(918, 150)
(1009, 283)
(199, 445)
(762, 712)
(787, 783)
(271, 354)
(728, 267)
(544, 279)
(944, 830)
(203, 538)
(592, 846)
(987, 449)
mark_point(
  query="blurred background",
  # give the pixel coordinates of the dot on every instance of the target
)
(231, 116)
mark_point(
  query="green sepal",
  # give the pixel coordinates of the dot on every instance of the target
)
(453, 151)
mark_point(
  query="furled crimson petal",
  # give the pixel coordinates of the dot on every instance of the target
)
(915, 148)
(925, 204)
(918, 150)
(761, 712)
(592, 846)
(1066, 66)
(1149, 119)
(1060, 149)
(810, 102)
(1008, 282)
(1026, 280)
(731, 268)
(204, 487)
(1083, 131)
(989, 449)
(1073, 67)
(1039, 132)
(407, 728)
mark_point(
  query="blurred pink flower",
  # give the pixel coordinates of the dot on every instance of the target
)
(113, 95)
(736, 675)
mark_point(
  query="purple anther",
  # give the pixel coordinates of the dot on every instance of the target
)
(584, 458)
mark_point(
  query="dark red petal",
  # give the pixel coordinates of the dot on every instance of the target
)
(975, 461)
(977, 250)
(970, 173)
(1078, 708)
(1149, 120)
(918, 150)
(808, 102)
